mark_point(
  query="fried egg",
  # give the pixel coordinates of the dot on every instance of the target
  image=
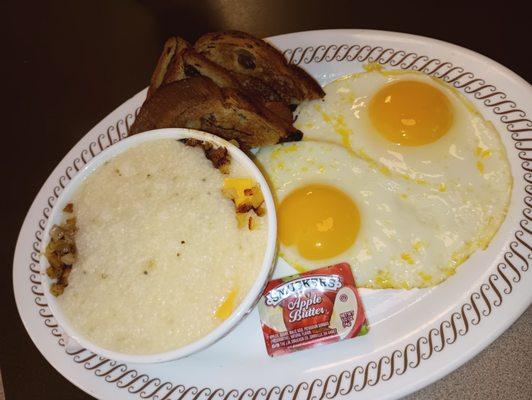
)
(334, 206)
(408, 124)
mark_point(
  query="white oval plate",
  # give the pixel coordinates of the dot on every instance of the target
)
(416, 336)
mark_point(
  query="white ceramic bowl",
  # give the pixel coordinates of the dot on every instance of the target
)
(240, 312)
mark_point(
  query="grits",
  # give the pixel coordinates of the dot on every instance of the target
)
(161, 261)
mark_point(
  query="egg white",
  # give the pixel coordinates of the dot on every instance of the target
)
(468, 157)
(411, 234)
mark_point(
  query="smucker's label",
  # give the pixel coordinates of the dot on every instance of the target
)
(315, 307)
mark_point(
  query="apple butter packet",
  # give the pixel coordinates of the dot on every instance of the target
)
(310, 309)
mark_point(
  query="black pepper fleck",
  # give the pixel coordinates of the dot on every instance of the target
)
(182, 242)
(145, 272)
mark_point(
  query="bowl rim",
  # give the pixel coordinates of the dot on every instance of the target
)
(246, 305)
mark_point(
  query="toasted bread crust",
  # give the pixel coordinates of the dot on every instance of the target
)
(199, 103)
(246, 55)
(176, 67)
(166, 65)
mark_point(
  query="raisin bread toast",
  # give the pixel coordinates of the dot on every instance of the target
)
(258, 66)
(186, 63)
(199, 103)
(230, 84)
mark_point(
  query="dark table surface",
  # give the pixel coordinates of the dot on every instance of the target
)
(67, 64)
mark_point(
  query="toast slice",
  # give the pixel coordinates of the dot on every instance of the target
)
(199, 103)
(196, 64)
(256, 63)
(185, 62)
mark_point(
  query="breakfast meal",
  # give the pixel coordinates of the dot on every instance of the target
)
(161, 259)
(388, 178)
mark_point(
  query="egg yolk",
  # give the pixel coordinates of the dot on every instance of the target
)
(320, 220)
(410, 113)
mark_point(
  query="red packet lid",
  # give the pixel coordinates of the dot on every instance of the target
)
(312, 308)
